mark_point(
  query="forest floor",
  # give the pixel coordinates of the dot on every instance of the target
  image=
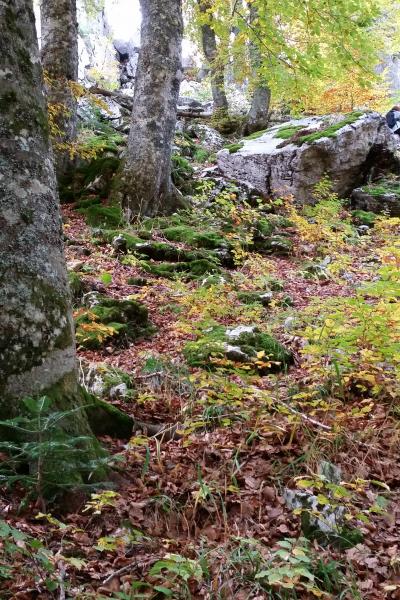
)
(203, 512)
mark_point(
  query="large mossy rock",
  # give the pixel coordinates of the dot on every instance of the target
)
(242, 345)
(293, 158)
(380, 197)
(108, 319)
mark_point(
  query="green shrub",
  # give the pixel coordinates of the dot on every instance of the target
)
(38, 438)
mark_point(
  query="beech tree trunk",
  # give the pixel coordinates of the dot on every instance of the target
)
(144, 184)
(258, 115)
(37, 349)
(217, 70)
(59, 53)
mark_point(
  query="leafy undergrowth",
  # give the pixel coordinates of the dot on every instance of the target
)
(212, 507)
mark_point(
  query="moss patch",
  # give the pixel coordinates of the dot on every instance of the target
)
(288, 131)
(191, 270)
(381, 188)
(109, 234)
(263, 298)
(234, 147)
(330, 131)
(256, 134)
(86, 202)
(364, 217)
(166, 252)
(218, 344)
(193, 237)
(122, 319)
(98, 215)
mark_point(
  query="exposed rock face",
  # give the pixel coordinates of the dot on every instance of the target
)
(276, 165)
(127, 56)
(210, 139)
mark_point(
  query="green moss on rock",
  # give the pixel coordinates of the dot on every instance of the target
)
(86, 202)
(364, 217)
(124, 319)
(330, 131)
(381, 188)
(194, 237)
(109, 234)
(287, 131)
(232, 148)
(191, 270)
(256, 134)
(263, 298)
(106, 419)
(98, 215)
(220, 343)
(105, 166)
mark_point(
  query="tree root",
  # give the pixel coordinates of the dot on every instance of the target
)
(106, 419)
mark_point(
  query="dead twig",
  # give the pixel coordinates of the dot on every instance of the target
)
(117, 573)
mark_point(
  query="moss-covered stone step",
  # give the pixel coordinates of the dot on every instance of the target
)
(244, 345)
(107, 319)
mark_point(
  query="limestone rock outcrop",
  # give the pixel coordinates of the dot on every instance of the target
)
(292, 158)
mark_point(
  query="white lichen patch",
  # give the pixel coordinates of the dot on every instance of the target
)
(17, 190)
(38, 188)
(10, 216)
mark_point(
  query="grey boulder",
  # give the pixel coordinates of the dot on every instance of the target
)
(278, 167)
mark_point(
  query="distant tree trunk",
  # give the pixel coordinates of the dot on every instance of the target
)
(59, 52)
(144, 183)
(217, 69)
(37, 349)
(258, 115)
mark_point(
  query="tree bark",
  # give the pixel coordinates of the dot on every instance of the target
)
(144, 184)
(217, 70)
(59, 53)
(258, 115)
(37, 348)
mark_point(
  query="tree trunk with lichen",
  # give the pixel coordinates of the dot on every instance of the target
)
(144, 184)
(37, 348)
(59, 53)
(258, 115)
(210, 49)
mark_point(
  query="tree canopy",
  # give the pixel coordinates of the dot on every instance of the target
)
(306, 47)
